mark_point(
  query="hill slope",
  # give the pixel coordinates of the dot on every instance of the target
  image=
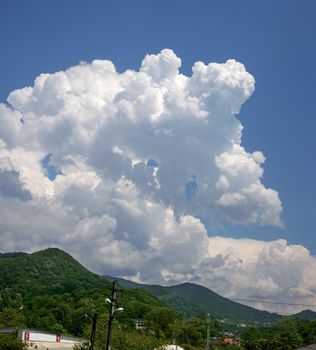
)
(306, 315)
(48, 271)
(219, 306)
(191, 299)
(56, 293)
(52, 271)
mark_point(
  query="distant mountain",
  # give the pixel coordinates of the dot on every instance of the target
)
(54, 272)
(11, 255)
(190, 299)
(306, 315)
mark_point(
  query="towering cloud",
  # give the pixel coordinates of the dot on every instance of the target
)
(119, 168)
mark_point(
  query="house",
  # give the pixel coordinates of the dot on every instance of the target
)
(231, 341)
(139, 324)
(172, 347)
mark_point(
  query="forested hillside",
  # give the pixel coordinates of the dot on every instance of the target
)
(49, 271)
(51, 291)
(190, 299)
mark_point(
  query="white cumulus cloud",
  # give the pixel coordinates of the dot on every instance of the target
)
(117, 168)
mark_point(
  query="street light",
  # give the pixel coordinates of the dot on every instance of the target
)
(113, 310)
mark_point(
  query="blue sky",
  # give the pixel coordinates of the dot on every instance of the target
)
(274, 40)
(132, 191)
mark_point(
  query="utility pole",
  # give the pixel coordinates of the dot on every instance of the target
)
(93, 330)
(207, 345)
(112, 303)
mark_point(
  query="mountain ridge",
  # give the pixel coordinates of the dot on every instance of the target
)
(46, 271)
(54, 271)
(197, 300)
(162, 291)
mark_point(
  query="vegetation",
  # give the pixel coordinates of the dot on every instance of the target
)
(10, 342)
(189, 299)
(287, 334)
(51, 271)
(50, 291)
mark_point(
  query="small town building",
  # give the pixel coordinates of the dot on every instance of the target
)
(231, 341)
(139, 324)
(172, 347)
(48, 341)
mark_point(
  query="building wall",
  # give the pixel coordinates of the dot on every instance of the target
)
(35, 336)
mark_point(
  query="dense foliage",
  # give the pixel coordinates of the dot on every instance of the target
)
(287, 334)
(52, 292)
(189, 299)
(71, 313)
(10, 342)
(50, 271)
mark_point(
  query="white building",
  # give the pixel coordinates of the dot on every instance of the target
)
(48, 341)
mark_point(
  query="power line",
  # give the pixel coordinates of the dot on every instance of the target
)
(272, 302)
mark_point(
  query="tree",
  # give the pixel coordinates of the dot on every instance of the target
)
(159, 320)
(6, 298)
(11, 317)
(189, 332)
(11, 342)
(135, 340)
(251, 339)
(288, 335)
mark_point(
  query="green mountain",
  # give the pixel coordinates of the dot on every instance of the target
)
(306, 315)
(50, 271)
(54, 272)
(190, 299)
(49, 290)
(219, 306)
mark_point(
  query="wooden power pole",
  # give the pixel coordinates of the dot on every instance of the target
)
(93, 330)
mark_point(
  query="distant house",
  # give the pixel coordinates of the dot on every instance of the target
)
(308, 347)
(139, 324)
(49, 341)
(172, 347)
(231, 341)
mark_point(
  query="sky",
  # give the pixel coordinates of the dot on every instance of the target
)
(164, 141)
